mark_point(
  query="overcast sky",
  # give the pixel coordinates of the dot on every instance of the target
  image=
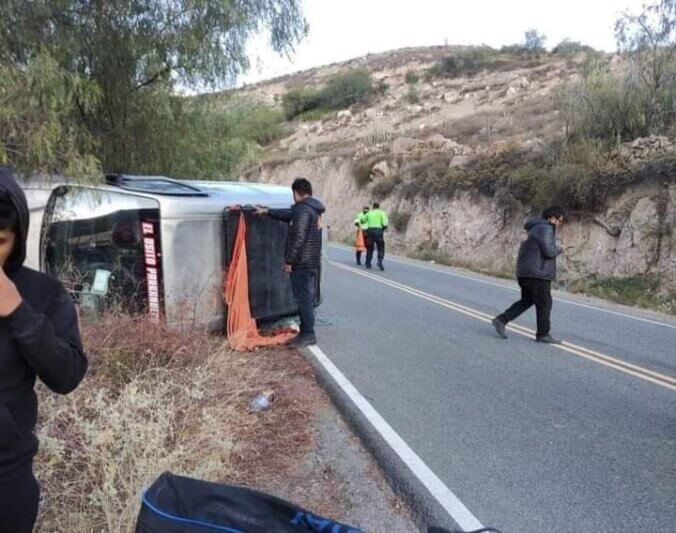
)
(343, 29)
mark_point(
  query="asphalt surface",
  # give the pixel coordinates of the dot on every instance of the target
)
(530, 438)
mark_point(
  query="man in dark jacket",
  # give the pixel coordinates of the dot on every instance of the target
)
(303, 253)
(39, 337)
(535, 270)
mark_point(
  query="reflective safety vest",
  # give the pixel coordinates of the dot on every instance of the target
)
(375, 219)
(360, 220)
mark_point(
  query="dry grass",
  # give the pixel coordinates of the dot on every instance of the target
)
(528, 118)
(158, 400)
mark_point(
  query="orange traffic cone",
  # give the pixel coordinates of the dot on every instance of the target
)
(360, 242)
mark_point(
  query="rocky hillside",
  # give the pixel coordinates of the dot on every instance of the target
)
(402, 145)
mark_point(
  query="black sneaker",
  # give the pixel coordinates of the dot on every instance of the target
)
(381, 267)
(548, 339)
(499, 327)
(368, 266)
(303, 340)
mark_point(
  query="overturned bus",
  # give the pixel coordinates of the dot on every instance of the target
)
(150, 244)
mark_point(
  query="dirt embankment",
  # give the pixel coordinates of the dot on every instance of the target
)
(401, 147)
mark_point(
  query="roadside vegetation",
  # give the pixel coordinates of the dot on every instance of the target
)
(471, 60)
(639, 291)
(411, 77)
(96, 93)
(159, 399)
(339, 92)
(570, 48)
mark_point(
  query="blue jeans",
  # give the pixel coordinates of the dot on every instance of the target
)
(303, 283)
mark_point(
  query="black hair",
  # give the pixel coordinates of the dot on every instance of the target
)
(302, 186)
(366, 208)
(9, 219)
(376, 205)
(554, 211)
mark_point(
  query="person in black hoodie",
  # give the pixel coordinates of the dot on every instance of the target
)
(39, 337)
(303, 253)
(535, 271)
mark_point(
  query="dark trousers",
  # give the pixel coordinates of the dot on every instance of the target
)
(536, 292)
(19, 497)
(358, 257)
(303, 284)
(375, 238)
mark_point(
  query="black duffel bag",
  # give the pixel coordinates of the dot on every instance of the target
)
(176, 504)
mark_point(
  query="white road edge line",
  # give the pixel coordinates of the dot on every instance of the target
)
(441, 493)
(516, 289)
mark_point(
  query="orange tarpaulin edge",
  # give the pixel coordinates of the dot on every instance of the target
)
(240, 325)
(359, 242)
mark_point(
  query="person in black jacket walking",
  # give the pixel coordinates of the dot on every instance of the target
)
(39, 337)
(303, 253)
(535, 271)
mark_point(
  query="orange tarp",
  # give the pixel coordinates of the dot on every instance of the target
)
(241, 326)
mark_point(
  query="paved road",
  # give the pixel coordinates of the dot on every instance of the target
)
(531, 438)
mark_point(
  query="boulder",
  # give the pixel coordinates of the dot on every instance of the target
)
(535, 145)
(459, 160)
(345, 115)
(436, 141)
(381, 170)
(498, 147)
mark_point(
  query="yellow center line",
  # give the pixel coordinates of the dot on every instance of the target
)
(603, 359)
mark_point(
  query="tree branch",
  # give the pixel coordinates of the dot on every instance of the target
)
(153, 78)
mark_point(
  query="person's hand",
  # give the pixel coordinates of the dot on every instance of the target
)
(10, 299)
(260, 210)
(287, 268)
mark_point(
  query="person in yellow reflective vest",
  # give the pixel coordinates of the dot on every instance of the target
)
(376, 225)
(360, 242)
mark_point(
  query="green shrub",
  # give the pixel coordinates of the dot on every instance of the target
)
(466, 61)
(514, 49)
(339, 92)
(195, 139)
(605, 106)
(568, 48)
(642, 291)
(400, 220)
(344, 90)
(412, 96)
(253, 121)
(40, 123)
(411, 77)
(535, 42)
(298, 101)
(314, 114)
(581, 176)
